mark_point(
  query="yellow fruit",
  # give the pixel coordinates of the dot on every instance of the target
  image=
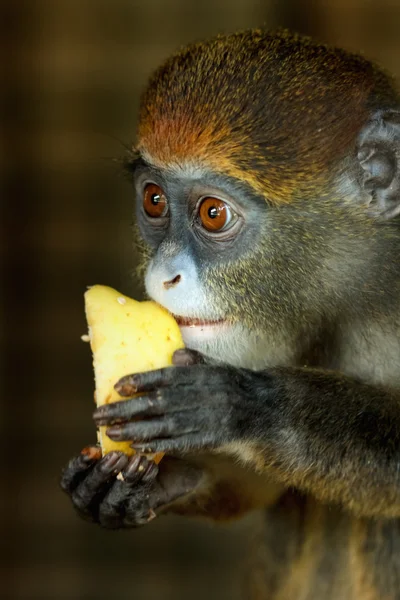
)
(126, 337)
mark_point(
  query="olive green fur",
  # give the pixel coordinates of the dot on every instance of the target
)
(276, 110)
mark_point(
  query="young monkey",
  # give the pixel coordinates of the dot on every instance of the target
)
(267, 177)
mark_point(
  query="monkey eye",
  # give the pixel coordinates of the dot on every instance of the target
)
(154, 201)
(215, 215)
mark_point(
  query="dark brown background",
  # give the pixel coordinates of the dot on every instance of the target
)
(73, 73)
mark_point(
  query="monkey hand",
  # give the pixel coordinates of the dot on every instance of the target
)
(180, 409)
(146, 489)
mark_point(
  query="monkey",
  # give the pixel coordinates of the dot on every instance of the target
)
(267, 180)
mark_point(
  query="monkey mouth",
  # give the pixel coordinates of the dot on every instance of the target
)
(192, 322)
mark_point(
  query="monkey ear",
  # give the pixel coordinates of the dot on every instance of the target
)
(379, 159)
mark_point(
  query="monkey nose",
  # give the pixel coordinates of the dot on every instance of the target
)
(172, 282)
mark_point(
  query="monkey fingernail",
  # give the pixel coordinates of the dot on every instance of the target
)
(126, 386)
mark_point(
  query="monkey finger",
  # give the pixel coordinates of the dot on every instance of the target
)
(78, 468)
(112, 507)
(170, 425)
(146, 382)
(119, 412)
(97, 480)
(184, 443)
(163, 378)
(112, 510)
(139, 468)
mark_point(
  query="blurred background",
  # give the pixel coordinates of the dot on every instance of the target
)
(73, 72)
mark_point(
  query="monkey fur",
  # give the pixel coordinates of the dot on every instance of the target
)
(287, 398)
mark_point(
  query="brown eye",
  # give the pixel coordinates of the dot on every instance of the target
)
(154, 201)
(214, 214)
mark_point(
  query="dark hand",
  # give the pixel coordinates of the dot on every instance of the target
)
(182, 408)
(100, 497)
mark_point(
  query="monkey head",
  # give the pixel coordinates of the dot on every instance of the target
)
(265, 167)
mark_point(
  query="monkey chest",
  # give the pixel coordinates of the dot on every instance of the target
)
(307, 551)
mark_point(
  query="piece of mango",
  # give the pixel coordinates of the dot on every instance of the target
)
(126, 336)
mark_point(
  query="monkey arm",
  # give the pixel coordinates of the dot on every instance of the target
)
(334, 437)
(320, 432)
(201, 486)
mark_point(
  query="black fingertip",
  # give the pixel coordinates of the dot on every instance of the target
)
(120, 464)
(136, 468)
(111, 457)
(126, 386)
(101, 415)
(151, 471)
(132, 466)
(114, 433)
(109, 462)
(78, 468)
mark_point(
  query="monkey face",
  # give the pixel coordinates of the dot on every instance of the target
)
(196, 225)
(215, 252)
